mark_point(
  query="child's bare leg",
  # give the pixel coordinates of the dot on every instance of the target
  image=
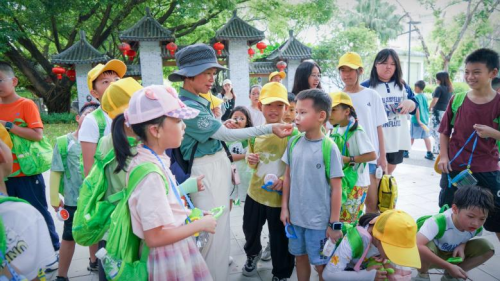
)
(424, 268)
(391, 168)
(412, 141)
(92, 250)
(303, 268)
(65, 255)
(473, 262)
(320, 269)
(428, 144)
(372, 196)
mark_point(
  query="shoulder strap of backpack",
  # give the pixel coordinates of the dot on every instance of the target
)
(293, 142)
(139, 172)
(440, 220)
(326, 148)
(101, 121)
(11, 199)
(458, 100)
(62, 145)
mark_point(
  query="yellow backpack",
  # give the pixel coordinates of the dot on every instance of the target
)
(387, 193)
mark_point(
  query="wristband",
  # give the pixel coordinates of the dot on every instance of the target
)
(8, 126)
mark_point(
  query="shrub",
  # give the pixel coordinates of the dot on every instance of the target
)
(460, 87)
(58, 118)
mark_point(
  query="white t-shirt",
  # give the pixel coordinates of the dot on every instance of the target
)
(257, 116)
(396, 130)
(29, 247)
(358, 144)
(452, 237)
(371, 114)
(89, 132)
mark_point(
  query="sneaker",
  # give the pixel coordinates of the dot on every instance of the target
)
(406, 154)
(93, 266)
(266, 254)
(60, 278)
(51, 267)
(279, 279)
(429, 155)
(421, 277)
(447, 277)
(250, 268)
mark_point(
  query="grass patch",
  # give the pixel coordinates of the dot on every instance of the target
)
(52, 131)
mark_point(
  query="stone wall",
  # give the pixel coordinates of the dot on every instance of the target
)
(290, 75)
(81, 84)
(239, 70)
(151, 63)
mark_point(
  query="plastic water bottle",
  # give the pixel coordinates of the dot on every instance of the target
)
(111, 266)
(329, 248)
(379, 172)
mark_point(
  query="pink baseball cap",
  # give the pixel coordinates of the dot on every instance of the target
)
(154, 101)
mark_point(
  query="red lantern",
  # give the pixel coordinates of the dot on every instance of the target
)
(71, 73)
(219, 47)
(124, 47)
(261, 46)
(251, 52)
(59, 71)
(131, 54)
(171, 47)
(281, 65)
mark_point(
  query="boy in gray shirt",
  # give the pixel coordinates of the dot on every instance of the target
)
(311, 202)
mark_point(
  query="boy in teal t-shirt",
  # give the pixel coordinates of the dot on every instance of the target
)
(67, 169)
(419, 121)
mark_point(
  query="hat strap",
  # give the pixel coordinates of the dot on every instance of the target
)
(364, 232)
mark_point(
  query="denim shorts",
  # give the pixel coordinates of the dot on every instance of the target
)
(373, 168)
(309, 242)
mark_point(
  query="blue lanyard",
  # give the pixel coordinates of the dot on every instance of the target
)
(174, 187)
(471, 153)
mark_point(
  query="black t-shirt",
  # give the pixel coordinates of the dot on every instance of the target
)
(444, 95)
(229, 106)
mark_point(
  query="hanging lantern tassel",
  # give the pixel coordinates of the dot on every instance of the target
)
(131, 55)
(251, 52)
(59, 71)
(171, 47)
(261, 46)
(219, 47)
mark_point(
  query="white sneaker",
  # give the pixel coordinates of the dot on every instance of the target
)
(266, 254)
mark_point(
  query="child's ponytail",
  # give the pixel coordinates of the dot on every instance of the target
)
(365, 219)
(120, 142)
(354, 115)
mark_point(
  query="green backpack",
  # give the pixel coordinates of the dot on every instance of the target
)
(92, 217)
(326, 148)
(34, 157)
(458, 100)
(62, 145)
(440, 219)
(101, 121)
(350, 174)
(132, 266)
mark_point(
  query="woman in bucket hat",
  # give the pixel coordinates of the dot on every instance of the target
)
(197, 69)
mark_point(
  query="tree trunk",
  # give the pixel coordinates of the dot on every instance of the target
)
(59, 100)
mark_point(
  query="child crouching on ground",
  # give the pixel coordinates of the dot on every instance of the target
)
(391, 235)
(461, 223)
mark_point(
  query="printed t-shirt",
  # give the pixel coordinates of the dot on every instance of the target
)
(423, 108)
(89, 131)
(26, 110)
(310, 192)
(72, 183)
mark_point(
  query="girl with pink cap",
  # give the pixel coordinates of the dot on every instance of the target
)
(158, 217)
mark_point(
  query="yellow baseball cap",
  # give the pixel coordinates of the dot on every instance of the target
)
(5, 137)
(340, 98)
(350, 59)
(116, 97)
(273, 91)
(397, 231)
(282, 74)
(214, 101)
(114, 65)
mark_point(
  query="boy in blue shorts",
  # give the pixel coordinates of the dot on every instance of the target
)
(419, 121)
(311, 202)
(461, 223)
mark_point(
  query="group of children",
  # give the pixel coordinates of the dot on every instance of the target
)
(310, 187)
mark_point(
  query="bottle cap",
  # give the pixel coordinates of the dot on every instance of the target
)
(101, 253)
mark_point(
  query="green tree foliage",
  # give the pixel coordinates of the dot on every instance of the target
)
(377, 15)
(353, 39)
(31, 31)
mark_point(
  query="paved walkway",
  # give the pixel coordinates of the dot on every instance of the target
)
(418, 195)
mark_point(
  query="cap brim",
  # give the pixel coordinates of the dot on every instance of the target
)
(334, 104)
(192, 71)
(115, 65)
(273, 99)
(353, 66)
(184, 113)
(403, 256)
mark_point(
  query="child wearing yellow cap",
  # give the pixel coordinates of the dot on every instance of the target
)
(66, 178)
(389, 240)
(357, 150)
